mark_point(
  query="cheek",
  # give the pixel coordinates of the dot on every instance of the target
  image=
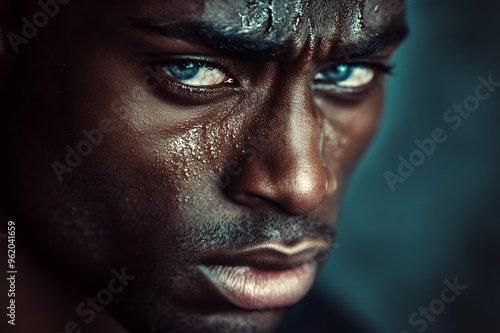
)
(348, 130)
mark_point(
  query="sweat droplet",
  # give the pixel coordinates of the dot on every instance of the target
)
(343, 141)
(361, 15)
(255, 15)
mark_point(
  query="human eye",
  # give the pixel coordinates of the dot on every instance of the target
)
(197, 74)
(350, 78)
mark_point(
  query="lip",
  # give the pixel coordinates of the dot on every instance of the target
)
(265, 276)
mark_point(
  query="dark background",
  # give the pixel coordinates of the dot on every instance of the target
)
(395, 249)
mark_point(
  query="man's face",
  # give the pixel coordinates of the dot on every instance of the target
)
(226, 132)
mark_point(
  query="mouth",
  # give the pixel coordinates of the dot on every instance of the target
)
(265, 276)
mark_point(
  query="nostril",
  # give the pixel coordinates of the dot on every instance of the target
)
(331, 183)
(255, 201)
(294, 191)
(288, 175)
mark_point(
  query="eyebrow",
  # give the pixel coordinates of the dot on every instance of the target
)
(223, 38)
(230, 40)
(370, 45)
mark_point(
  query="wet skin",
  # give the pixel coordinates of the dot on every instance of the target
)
(285, 98)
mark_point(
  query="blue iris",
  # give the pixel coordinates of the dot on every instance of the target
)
(338, 73)
(183, 70)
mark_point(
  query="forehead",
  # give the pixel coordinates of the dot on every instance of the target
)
(271, 16)
(294, 22)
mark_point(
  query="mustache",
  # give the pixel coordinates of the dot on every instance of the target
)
(228, 233)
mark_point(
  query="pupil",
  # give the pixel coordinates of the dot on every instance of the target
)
(339, 73)
(184, 70)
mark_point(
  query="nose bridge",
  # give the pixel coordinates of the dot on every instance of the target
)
(294, 143)
(288, 170)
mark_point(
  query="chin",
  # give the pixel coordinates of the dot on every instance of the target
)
(168, 320)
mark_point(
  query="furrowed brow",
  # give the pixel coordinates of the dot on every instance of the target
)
(225, 39)
(372, 44)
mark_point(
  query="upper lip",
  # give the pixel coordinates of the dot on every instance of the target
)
(270, 255)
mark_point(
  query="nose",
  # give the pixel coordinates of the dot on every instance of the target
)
(283, 166)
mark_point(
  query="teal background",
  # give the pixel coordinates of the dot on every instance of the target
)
(396, 248)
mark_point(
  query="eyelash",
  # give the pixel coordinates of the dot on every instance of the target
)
(177, 92)
(382, 68)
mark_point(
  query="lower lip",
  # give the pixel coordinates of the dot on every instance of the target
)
(251, 288)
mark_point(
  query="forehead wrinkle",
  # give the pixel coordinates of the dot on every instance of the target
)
(320, 25)
(311, 29)
(238, 22)
(325, 24)
(270, 20)
(285, 22)
(333, 25)
(348, 27)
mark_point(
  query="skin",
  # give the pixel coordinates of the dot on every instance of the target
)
(149, 198)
